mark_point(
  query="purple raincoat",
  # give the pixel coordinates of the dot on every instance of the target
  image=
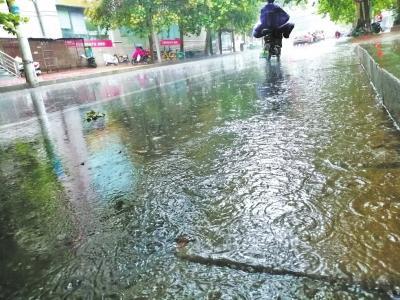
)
(272, 17)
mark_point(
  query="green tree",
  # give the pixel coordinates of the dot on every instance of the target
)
(187, 14)
(397, 20)
(143, 17)
(228, 15)
(8, 21)
(244, 16)
(356, 12)
(351, 11)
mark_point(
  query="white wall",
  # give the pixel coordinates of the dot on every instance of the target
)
(32, 29)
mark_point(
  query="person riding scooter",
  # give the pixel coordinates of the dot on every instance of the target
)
(139, 55)
(273, 18)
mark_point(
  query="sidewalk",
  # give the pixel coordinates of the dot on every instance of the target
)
(70, 75)
(14, 84)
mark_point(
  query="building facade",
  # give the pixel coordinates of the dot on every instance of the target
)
(54, 19)
(65, 19)
(43, 19)
(73, 23)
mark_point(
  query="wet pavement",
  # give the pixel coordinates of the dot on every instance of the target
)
(9, 83)
(290, 167)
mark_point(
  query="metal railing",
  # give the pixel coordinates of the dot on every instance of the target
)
(9, 64)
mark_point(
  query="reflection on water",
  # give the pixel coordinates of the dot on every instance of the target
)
(386, 54)
(273, 90)
(291, 166)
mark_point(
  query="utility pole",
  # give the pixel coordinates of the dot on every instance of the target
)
(39, 15)
(27, 59)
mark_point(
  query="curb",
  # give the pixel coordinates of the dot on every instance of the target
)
(22, 86)
(18, 87)
(385, 83)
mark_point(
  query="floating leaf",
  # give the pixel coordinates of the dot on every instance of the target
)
(93, 115)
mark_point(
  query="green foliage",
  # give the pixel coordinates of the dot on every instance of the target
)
(10, 22)
(239, 15)
(187, 14)
(143, 16)
(345, 10)
(93, 115)
(339, 10)
(379, 5)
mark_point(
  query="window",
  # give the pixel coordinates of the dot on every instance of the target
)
(78, 22)
(63, 16)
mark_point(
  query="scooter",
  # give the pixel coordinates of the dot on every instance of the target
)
(36, 65)
(122, 58)
(141, 59)
(110, 60)
(91, 61)
(272, 44)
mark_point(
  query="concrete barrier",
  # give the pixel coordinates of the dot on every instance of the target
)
(385, 83)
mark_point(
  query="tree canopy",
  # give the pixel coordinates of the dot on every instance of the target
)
(345, 11)
(146, 16)
(192, 15)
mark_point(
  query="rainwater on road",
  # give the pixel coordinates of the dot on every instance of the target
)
(292, 166)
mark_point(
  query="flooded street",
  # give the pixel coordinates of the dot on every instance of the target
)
(284, 176)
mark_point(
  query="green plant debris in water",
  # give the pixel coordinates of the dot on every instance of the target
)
(93, 115)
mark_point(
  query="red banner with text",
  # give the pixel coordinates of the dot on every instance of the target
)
(175, 42)
(90, 43)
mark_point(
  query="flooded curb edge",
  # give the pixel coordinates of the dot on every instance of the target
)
(386, 84)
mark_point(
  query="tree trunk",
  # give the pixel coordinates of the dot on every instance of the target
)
(151, 46)
(149, 24)
(181, 36)
(220, 40)
(211, 45)
(233, 40)
(364, 15)
(207, 47)
(367, 14)
(155, 37)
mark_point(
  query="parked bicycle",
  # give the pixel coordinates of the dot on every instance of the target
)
(122, 58)
(169, 54)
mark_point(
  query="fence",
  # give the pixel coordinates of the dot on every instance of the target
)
(53, 55)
